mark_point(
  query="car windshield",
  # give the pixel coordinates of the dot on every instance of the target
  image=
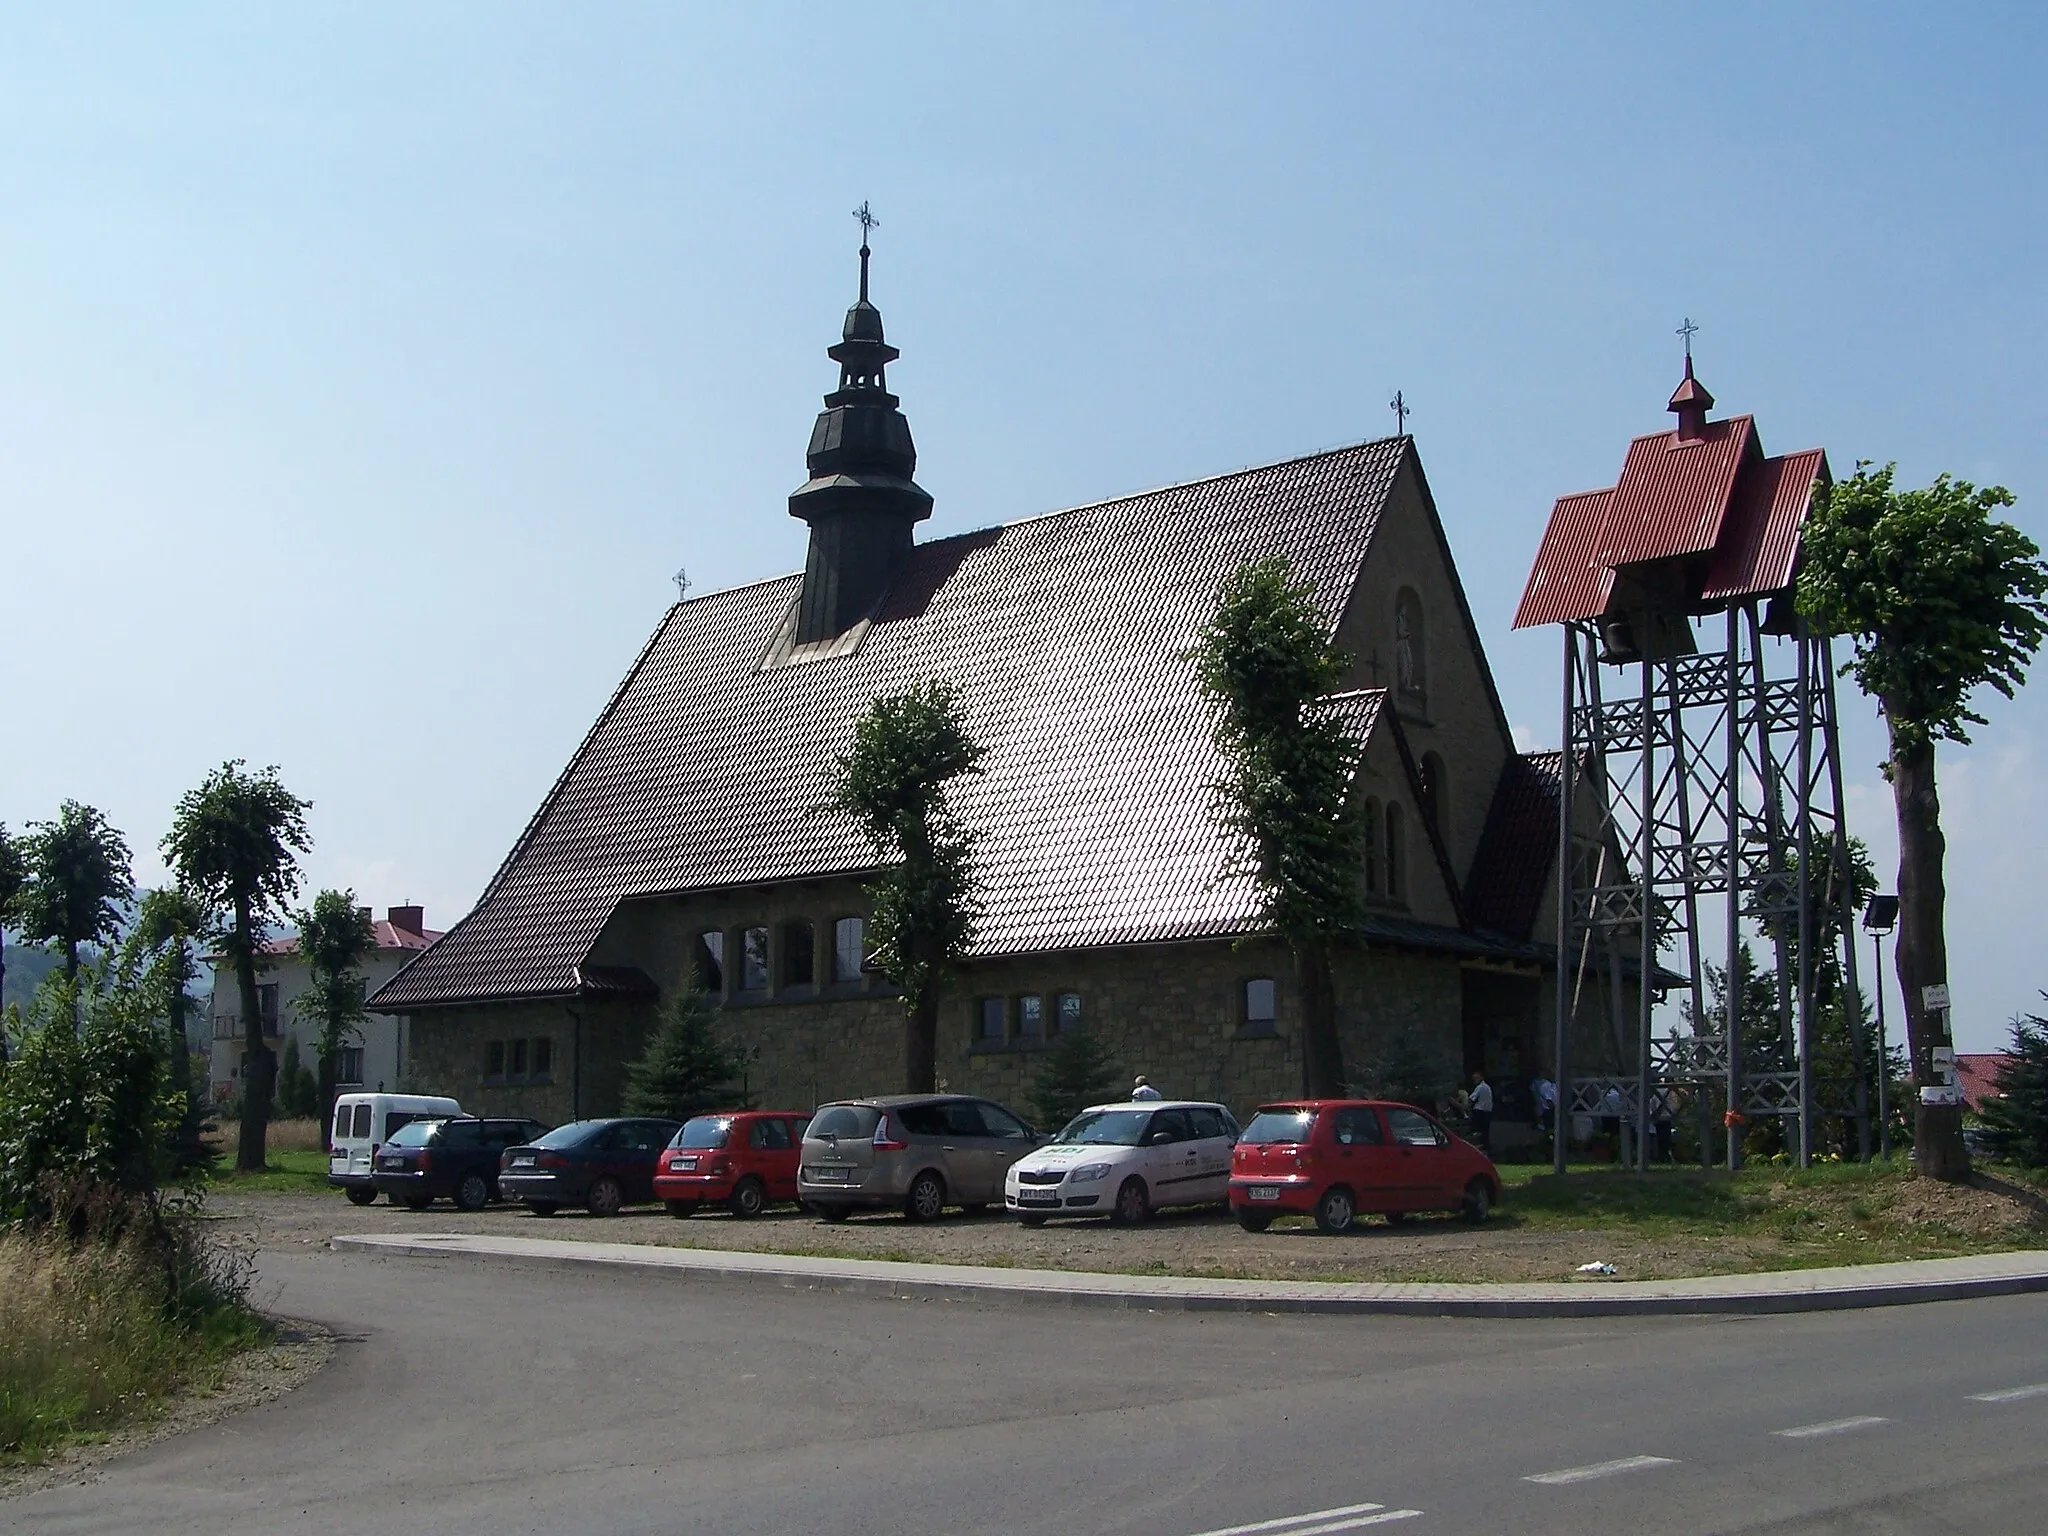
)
(572, 1135)
(1106, 1128)
(417, 1134)
(1284, 1126)
(703, 1132)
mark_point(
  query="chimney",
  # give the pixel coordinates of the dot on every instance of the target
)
(407, 919)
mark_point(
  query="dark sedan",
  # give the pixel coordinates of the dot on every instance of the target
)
(598, 1164)
(455, 1159)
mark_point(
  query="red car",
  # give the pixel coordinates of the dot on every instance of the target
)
(741, 1160)
(1334, 1158)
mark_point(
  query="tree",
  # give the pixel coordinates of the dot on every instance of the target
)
(13, 879)
(1267, 665)
(335, 937)
(1939, 601)
(235, 841)
(1413, 1068)
(907, 750)
(1076, 1070)
(78, 883)
(686, 1069)
(2017, 1119)
(168, 924)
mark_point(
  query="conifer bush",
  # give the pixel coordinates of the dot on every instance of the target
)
(2016, 1121)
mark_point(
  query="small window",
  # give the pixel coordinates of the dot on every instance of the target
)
(1397, 857)
(849, 962)
(515, 1059)
(1031, 1018)
(1261, 1013)
(1068, 1015)
(710, 961)
(348, 1065)
(754, 960)
(362, 1126)
(494, 1059)
(341, 1120)
(994, 1019)
(1434, 803)
(543, 1059)
(1371, 840)
(799, 954)
(266, 1005)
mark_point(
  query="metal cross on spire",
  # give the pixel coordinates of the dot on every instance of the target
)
(1686, 330)
(682, 581)
(867, 222)
(1399, 406)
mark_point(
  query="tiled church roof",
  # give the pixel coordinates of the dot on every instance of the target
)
(1067, 637)
(1517, 853)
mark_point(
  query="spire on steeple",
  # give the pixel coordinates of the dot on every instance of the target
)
(1690, 400)
(860, 499)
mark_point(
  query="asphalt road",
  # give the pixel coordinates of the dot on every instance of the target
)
(478, 1398)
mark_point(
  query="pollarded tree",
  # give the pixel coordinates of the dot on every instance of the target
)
(335, 937)
(169, 923)
(235, 841)
(907, 750)
(78, 883)
(1940, 600)
(1267, 664)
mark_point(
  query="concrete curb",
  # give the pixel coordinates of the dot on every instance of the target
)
(1807, 1290)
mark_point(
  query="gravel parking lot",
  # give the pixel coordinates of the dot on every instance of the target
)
(1204, 1243)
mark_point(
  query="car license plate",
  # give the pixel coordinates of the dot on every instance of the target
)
(394, 1162)
(1265, 1192)
(522, 1162)
(830, 1175)
(686, 1162)
(1038, 1197)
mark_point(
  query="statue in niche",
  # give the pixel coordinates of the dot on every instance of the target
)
(1407, 645)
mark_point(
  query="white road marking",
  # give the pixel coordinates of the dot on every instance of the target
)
(2011, 1394)
(1601, 1469)
(1347, 1517)
(1831, 1427)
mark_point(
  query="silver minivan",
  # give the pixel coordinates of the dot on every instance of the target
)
(918, 1151)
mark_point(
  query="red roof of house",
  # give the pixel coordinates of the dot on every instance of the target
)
(390, 940)
(1979, 1076)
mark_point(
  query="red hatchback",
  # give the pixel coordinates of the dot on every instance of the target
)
(1334, 1158)
(740, 1160)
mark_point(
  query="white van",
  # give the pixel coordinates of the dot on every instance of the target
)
(363, 1122)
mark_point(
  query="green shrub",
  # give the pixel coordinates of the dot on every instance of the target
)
(2017, 1119)
(1075, 1071)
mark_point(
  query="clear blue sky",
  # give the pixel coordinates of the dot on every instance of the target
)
(366, 371)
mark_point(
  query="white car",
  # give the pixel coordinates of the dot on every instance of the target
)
(1125, 1161)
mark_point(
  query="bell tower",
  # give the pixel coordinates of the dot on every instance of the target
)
(860, 500)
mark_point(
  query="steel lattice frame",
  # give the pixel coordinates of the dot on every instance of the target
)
(1706, 776)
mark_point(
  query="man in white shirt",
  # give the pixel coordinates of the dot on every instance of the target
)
(1144, 1089)
(1481, 1099)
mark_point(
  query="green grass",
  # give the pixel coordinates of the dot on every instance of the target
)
(285, 1173)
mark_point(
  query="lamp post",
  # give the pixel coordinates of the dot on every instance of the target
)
(1879, 919)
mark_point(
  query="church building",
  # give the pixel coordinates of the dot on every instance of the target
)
(686, 843)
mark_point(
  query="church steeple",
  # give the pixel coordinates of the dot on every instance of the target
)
(1690, 401)
(860, 500)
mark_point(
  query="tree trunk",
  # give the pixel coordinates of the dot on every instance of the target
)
(259, 1061)
(1922, 952)
(921, 1042)
(1322, 1055)
(327, 1101)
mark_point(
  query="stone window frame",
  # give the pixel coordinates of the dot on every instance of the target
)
(745, 982)
(1057, 1015)
(862, 972)
(1397, 856)
(1369, 852)
(1251, 1026)
(537, 1052)
(1013, 1036)
(794, 937)
(707, 962)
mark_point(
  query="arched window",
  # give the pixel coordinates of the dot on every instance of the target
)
(1372, 847)
(1411, 650)
(1435, 794)
(1397, 857)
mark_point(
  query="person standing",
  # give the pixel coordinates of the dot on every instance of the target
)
(1481, 1110)
(1544, 1092)
(1143, 1089)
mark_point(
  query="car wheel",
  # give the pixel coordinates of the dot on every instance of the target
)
(1033, 1220)
(1478, 1201)
(362, 1197)
(1398, 1218)
(1133, 1204)
(925, 1200)
(749, 1198)
(605, 1197)
(832, 1213)
(418, 1202)
(542, 1207)
(682, 1210)
(1254, 1221)
(1335, 1210)
(473, 1193)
